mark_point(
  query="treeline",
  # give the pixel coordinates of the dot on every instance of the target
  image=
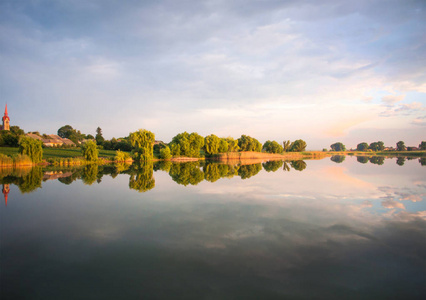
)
(378, 146)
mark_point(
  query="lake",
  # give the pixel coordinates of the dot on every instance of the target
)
(339, 228)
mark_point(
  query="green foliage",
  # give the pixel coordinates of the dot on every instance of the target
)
(377, 146)
(338, 158)
(247, 143)
(186, 173)
(272, 147)
(422, 145)
(338, 147)
(90, 173)
(232, 144)
(90, 151)
(297, 146)
(5, 160)
(362, 146)
(31, 181)
(377, 160)
(298, 165)
(215, 171)
(211, 144)
(165, 153)
(31, 147)
(142, 179)
(324, 150)
(122, 156)
(272, 165)
(142, 142)
(400, 146)
(247, 171)
(400, 161)
(362, 159)
(99, 138)
(422, 161)
(286, 145)
(185, 144)
(70, 133)
(223, 145)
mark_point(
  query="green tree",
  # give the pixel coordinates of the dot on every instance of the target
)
(247, 143)
(272, 147)
(99, 138)
(185, 144)
(422, 145)
(142, 142)
(223, 146)
(32, 148)
(165, 153)
(362, 147)
(286, 168)
(211, 144)
(377, 146)
(338, 147)
(65, 131)
(297, 146)
(286, 145)
(400, 146)
(90, 151)
(232, 144)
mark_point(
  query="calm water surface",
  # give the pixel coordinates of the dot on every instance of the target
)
(321, 229)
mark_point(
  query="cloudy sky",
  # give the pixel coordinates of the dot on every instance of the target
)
(324, 71)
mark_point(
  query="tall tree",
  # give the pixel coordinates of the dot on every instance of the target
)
(422, 145)
(186, 144)
(211, 144)
(338, 147)
(362, 147)
(32, 148)
(99, 138)
(400, 146)
(286, 145)
(272, 147)
(90, 151)
(143, 144)
(297, 146)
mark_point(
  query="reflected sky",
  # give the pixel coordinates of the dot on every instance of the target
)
(342, 230)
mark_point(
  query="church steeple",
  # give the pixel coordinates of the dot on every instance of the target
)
(6, 120)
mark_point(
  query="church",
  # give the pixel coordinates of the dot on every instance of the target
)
(6, 121)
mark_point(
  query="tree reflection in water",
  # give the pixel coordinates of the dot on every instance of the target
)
(186, 173)
(215, 171)
(377, 160)
(362, 159)
(338, 158)
(298, 165)
(272, 165)
(286, 167)
(247, 171)
(90, 174)
(400, 161)
(142, 177)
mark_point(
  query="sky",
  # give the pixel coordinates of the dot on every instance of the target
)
(322, 71)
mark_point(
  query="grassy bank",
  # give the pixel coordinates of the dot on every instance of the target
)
(59, 153)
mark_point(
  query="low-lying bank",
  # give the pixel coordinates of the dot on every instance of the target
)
(249, 155)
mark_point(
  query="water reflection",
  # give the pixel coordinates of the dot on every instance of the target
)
(333, 231)
(141, 177)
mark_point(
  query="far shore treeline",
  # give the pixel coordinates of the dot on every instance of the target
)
(140, 146)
